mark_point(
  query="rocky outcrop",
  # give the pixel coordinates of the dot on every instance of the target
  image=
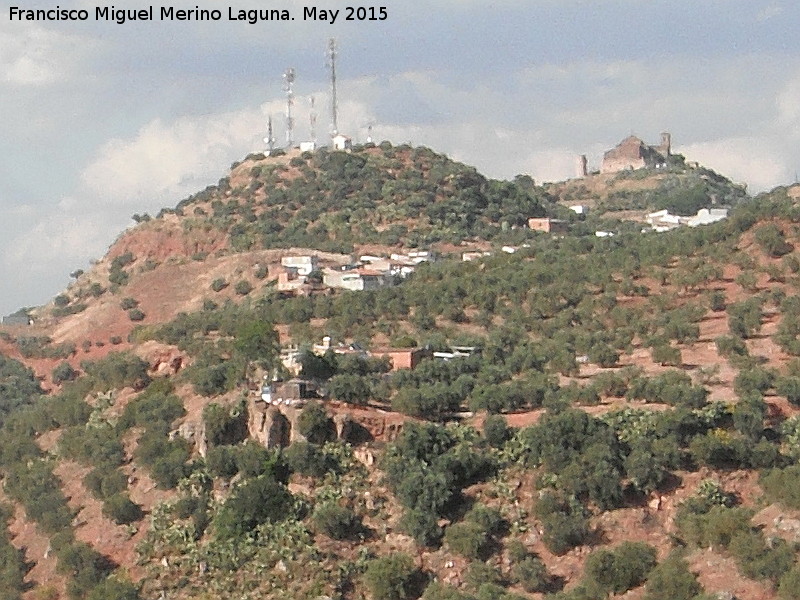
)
(273, 427)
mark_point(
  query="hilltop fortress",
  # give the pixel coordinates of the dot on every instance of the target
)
(633, 153)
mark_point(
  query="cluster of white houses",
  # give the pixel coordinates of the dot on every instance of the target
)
(306, 273)
(663, 220)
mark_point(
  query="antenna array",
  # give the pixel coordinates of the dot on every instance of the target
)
(288, 87)
(312, 118)
(270, 139)
(334, 106)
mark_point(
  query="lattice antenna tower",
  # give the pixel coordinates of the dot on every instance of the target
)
(270, 139)
(312, 121)
(334, 103)
(288, 87)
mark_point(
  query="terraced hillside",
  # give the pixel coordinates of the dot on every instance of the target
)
(628, 427)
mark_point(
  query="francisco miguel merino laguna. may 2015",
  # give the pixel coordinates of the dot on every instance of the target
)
(170, 13)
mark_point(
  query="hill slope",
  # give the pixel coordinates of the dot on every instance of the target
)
(646, 379)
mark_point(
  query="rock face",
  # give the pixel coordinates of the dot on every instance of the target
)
(194, 433)
(277, 426)
(271, 426)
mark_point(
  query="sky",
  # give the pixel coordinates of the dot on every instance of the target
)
(100, 120)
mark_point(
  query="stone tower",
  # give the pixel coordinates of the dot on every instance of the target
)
(580, 166)
(666, 144)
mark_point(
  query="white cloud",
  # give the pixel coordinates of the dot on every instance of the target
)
(788, 102)
(768, 12)
(55, 237)
(35, 56)
(165, 161)
(759, 161)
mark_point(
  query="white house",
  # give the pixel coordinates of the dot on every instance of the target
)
(474, 255)
(355, 279)
(342, 142)
(302, 264)
(706, 216)
(579, 209)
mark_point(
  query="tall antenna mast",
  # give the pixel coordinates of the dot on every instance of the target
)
(334, 106)
(270, 139)
(312, 118)
(288, 87)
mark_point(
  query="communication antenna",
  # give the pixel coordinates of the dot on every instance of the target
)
(270, 139)
(334, 106)
(288, 87)
(369, 132)
(312, 119)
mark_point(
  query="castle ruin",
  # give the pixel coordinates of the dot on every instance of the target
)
(633, 153)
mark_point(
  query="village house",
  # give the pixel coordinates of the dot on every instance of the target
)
(580, 209)
(358, 279)
(19, 318)
(633, 153)
(706, 216)
(415, 256)
(474, 255)
(401, 358)
(456, 352)
(302, 265)
(387, 265)
(295, 392)
(548, 225)
(663, 220)
(342, 142)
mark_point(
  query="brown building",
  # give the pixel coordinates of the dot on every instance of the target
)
(401, 358)
(633, 153)
(548, 225)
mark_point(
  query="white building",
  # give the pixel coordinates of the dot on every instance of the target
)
(355, 279)
(474, 255)
(342, 142)
(706, 216)
(302, 264)
(579, 209)
(663, 220)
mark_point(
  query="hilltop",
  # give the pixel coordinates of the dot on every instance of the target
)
(640, 388)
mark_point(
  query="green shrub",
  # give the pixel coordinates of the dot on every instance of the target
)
(783, 485)
(496, 431)
(531, 573)
(225, 424)
(114, 589)
(315, 425)
(221, 461)
(771, 239)
(468, 539)
(256, 501)
(120, 509)
(391, 577)
(672, 580)
(789, 587)
(307, 459)
(105, 481)
(243, 287)
(87, 567)
(623, 568)
(758, 559)
(128, 303)
(564, 520)
(442, 591)
(136, 314)
(63, 372)
(219, 284)
(336, 521)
